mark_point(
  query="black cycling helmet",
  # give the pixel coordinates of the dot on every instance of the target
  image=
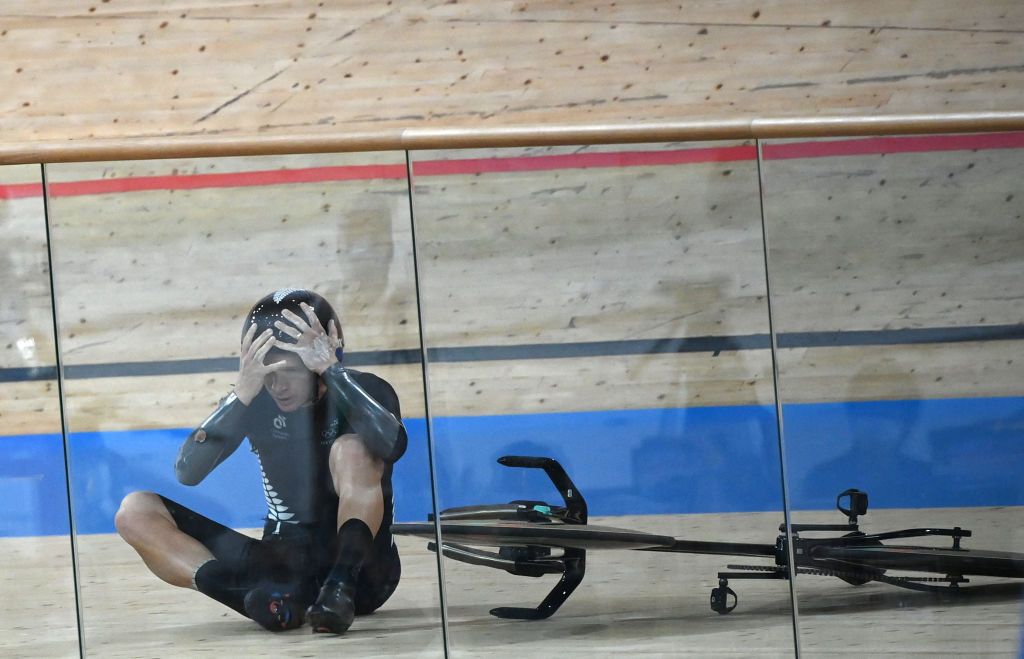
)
(268, 310)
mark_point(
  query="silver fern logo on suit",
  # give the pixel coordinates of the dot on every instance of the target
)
(277, 511)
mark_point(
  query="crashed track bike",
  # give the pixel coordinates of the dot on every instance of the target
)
(529, 533)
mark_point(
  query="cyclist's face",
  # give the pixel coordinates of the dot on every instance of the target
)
(291, 387)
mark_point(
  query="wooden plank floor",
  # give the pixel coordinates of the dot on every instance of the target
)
(131, 315)
(219, 68)
(509, 259)
(635, 602)
(214, 69)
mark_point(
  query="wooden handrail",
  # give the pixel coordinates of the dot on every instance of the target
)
(912, 124)
(200, 146)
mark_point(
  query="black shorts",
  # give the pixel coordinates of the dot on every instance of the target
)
(301, 559)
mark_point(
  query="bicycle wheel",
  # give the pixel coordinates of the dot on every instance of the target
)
(941, 560)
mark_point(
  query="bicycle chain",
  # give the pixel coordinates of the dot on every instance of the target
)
(825, 572)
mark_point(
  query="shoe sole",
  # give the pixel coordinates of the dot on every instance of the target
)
(328, 622)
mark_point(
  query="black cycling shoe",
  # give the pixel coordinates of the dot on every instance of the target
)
(334, 609)
(273, 608)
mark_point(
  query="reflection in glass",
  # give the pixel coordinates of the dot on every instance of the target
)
(896, 268)
(38, 577)
(158, 267)
(604, 307)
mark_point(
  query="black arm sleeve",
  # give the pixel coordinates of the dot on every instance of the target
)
(212, 442)
(369, 413)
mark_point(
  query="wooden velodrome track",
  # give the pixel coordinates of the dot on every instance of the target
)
(202, 73)
(165, 274)
(117, 308)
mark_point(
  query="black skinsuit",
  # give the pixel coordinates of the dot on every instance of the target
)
(299, 536)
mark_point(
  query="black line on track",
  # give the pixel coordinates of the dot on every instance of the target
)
(938, 75)
(923, 335)
(712, 344)
(783, 85)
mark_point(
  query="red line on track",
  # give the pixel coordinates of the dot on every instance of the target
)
(812, 149)
(21, 190)
(583, 161)
(902, 144)
(229, 180)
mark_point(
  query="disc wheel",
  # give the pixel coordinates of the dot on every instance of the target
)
(940, 560)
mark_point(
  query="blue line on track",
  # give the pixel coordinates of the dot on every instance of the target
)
(905, 454)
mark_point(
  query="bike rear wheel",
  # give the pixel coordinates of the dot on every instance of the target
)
(941, 560)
